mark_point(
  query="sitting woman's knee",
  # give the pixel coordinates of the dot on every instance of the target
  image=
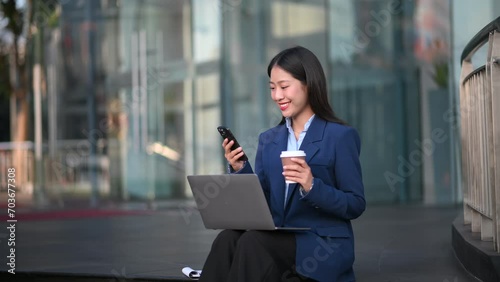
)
(228, 236)
(249, 238)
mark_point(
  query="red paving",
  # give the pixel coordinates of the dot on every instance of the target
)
(69, 214)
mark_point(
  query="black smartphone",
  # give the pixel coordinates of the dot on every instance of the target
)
(226, 133)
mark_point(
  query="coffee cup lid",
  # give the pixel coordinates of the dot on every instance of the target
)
(286, 154)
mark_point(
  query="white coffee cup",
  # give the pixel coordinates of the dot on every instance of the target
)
(286, 159)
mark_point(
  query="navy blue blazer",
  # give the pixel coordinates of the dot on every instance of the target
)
(326, 253)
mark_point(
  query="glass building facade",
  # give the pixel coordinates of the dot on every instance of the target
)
(133, 91)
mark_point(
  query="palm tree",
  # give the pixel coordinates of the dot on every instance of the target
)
(17, 19)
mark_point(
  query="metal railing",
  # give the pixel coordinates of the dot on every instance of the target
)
(18, 156)
(480, 134)
(66, 169)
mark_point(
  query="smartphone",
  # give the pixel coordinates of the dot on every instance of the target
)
(226, 133)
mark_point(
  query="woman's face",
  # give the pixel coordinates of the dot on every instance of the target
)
(289, 94)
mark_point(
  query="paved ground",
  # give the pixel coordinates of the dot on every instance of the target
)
(407, 244)
(392, 244)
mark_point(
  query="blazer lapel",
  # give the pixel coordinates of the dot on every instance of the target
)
(279, 145)
(314, 134)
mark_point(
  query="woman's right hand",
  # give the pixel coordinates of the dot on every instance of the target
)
(233, 156)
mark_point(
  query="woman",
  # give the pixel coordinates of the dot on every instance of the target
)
(328, 194)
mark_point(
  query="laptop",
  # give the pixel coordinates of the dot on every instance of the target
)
(233, 201)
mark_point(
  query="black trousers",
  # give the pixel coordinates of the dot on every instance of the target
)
(252, 256)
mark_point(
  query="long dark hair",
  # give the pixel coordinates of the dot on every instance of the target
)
(303, 65)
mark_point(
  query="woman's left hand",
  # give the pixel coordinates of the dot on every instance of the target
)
(299, 172)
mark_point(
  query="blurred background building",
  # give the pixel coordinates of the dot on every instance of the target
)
(126, 95)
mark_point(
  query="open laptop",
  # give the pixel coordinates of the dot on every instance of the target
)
(233, 201)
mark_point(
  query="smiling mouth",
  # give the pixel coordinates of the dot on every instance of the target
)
(284, 106)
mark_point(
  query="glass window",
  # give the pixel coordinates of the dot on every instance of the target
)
(206, 30)
(208, 150)
(374, 88)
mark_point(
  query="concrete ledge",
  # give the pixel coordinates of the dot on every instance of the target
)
(478, 257)
(64, 277)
